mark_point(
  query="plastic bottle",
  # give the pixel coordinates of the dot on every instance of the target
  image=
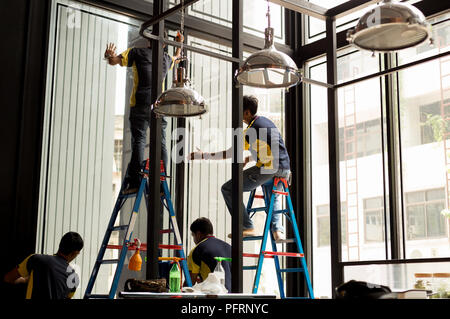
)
(174, 278)
(219, 271)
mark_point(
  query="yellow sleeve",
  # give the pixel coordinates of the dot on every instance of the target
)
(192, 266)
(22, 269)
(124, 55)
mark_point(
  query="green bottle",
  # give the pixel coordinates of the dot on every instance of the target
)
(174, 278)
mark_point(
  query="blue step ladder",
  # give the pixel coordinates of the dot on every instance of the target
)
(270, 190)
(128, 244)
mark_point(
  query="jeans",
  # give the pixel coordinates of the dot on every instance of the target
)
(252, 178)
(139, 122)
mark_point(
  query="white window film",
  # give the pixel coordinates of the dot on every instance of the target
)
(83, 133)
(424, 108)
(361, 162)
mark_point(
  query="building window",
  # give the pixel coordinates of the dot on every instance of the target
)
(367, 139)
(423, 211)
(118, 149)
(323, 224)
(374, 219)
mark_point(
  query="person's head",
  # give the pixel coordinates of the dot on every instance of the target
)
(70, 246)
(250, 107)
(201, 228)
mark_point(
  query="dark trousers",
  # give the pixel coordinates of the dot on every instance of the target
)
(139, 123)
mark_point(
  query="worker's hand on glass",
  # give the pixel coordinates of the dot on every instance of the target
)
(110, 51)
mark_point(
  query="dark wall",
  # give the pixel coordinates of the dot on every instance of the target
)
(23, 34)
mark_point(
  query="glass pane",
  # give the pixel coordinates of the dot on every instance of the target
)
(424, 114)
(84, 133)
(361, 161)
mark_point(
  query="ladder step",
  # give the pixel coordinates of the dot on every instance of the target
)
(257, 209)
(285, 241)
(166, 231)
(259, 196)
(96, 296)
(274, 253)
(249, 267)
(108, 261)
(283, 211)
(281, 193)
(249, 238)
(292, 270)
(121, 227)
(254, 255)
(175, 247)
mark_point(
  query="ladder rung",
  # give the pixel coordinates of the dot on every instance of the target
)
(275, 253)
(252, 238)
(121, 227)
(285, 241)
(259, 196)
(292, 270)
(281, 193)
(97, 296)
(108, 261)
(249, 267)
(254, 255)
(282, 211)
(175, 247)
(257, 209)
(166, 231)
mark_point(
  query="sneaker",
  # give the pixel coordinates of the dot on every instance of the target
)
(246, 233)
(278, 236)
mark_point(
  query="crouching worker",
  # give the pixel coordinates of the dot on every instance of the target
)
(201, 258)
(50, 276)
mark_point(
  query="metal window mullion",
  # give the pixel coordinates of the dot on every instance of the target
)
(154, 203)
(236, 172)
(333, 156)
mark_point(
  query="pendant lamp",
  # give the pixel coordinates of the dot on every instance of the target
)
(180, 100)
(390, 26)
(268, 68)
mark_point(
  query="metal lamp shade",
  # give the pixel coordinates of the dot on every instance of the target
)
(180, 101)
(268, 68)
(390, 26)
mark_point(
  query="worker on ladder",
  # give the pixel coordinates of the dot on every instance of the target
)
(140, 59)
(265, 143)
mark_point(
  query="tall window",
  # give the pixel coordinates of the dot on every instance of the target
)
(425, 144)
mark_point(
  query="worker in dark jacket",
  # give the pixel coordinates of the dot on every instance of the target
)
(50, 276)
(201, 259)
(141, 99)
